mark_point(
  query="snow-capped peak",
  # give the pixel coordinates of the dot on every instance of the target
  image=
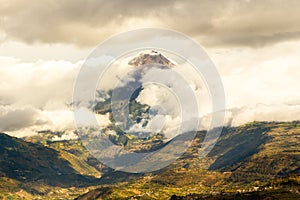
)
(150, 57)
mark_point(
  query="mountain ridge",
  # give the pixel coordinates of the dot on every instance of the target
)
(262, 155)
(30, 162)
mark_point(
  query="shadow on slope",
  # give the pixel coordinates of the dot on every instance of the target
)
(237, 144)
(29, 162)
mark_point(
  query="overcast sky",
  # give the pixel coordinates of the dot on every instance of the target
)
(255, 45)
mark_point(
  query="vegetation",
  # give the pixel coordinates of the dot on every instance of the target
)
(259, 160)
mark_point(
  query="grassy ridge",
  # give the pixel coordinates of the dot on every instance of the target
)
(260, 156)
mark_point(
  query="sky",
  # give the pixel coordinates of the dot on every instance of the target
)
(254, 44)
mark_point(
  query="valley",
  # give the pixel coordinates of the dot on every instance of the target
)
(259, 158)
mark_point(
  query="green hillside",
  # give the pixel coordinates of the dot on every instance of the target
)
(256, 161)
(24, 164)
(257, 156)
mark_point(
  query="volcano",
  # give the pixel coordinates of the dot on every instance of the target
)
(150, 57)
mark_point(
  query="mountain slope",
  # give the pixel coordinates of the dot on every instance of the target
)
(277, 152)
(29, 162)
(262, 155)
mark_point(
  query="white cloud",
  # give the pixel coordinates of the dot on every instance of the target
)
(34, 95)
(41, 84)
(70, 135)
(269, 75)
(261, 112)
(260, 84)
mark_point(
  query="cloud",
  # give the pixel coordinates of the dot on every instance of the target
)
(42, 84)
(261, 112)
(26, 121)
(260, 84)
(66, 136)
(226, 22)
(14, 119)
(34, 95)
(268, 75)
(68, 21)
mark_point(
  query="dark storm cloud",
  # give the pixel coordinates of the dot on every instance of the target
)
(70, 21)
(86, 23)
(15, 119)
